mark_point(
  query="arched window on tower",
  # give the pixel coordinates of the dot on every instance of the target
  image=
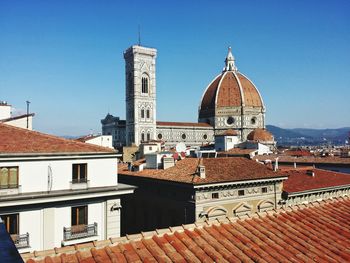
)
(145, 84)
(142, 113)
(142, 137)
(147, 113)
(148, 136)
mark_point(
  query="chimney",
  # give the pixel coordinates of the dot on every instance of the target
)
(168, 162)
(201, 169)
(276, 165)
(311, 173)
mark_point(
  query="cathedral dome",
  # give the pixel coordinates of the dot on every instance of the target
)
(260, 135)
(229, 89)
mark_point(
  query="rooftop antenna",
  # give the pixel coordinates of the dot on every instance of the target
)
(139, 31)
(28, 102)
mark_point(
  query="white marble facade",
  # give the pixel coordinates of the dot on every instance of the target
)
(141, 122)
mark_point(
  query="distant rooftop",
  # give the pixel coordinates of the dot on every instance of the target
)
(304, 159)
(301, 180)
(217, 170)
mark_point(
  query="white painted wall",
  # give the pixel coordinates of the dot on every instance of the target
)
(37, 225)
(31, 222)
(262, 148)
(22, 123)
(225, 143)
(33, 175)
(45, 224)
(102, 140)
(5, 111)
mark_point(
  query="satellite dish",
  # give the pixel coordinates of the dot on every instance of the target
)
(180, 147)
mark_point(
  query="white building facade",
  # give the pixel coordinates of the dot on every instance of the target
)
(53, 199)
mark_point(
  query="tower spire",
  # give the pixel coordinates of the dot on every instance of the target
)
(230, 61)
(139, 31)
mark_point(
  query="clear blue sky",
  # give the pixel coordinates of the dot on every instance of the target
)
(66, 57)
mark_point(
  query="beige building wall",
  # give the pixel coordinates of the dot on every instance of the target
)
(227, 202)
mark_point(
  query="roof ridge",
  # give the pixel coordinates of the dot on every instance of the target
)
(56, 137)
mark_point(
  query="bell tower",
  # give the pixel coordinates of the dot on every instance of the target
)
(140, 75)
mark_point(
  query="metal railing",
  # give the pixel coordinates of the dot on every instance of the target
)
(9, 186)
(79, 231)
(21, 241)
(79, 180)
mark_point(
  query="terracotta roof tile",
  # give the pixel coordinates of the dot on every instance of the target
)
(304, 159)
(251, 95)
(208, 101)
(226, 91)
(298, 153)
(223, 169)
(22, 141)
(229, 132)
(238, 151)
(301, 180)
(316, 232)
(259, 134)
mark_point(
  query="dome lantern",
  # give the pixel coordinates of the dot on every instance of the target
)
(230, 61)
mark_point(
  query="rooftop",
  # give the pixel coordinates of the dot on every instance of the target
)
(306, 233)
(88, 137)
(22, 141)
(304, 159)
(259, 134)
(217, 170)
(229, 132)
(237, 152)
(300, 180)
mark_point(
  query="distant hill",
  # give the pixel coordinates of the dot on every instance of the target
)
(301, 136)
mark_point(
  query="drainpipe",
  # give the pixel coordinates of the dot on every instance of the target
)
(274, 185)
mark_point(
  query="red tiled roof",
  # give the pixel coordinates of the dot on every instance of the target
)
(299, 180)
(217, 170)
(190, 124)
(239, 151)
(208, 101)
(18, 140)
(298, 153)
(259, 134)
(229, 132)
(251, 95)
(226, 91)
(318, 232)
(304, 159)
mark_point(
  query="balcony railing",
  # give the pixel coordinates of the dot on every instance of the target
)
(79, 181)
(9, 186)
(21, 241)
(79, 231)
